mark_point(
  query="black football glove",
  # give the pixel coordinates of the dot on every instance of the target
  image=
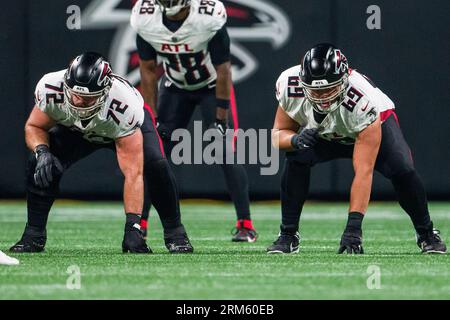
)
(351, 240)
(48, 167)
(307, 138)
(221, 126)
(163, 130)
(133, 238)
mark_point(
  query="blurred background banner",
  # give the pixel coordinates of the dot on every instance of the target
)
(408, 58)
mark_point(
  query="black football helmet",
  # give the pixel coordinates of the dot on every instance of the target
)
(88, 77)
(324, 69)
(172, 7)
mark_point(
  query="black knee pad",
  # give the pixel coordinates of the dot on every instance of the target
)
(405, 176)
(304, 158)
(397, 169)
(158, 170)
(156, 165)
(294, 163)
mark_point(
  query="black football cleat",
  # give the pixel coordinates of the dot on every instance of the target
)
(177, 241)
(244, 232)
(133, 240)
(33, 240)
(431, 242)
(287, 242)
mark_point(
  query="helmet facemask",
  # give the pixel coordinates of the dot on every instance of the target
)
(325, 97)
(172, 7)
(96, 101)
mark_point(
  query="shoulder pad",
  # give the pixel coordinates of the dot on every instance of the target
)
(50, 86)
(288, 86)
(127, 105)
(212, 14)
(143, 13)
(371, 93)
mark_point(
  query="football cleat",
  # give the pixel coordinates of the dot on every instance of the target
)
(431, 242)
(33, 240)
(244, 232)
(177, 241)
(133, 240)
(287, 242)
(7, 261)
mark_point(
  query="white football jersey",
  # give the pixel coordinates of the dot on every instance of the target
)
(184, 53)
(360, 107)
(122, 114)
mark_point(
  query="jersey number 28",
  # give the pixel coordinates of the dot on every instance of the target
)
(194, 71)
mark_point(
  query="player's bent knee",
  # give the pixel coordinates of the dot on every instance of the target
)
(399, 169)
(156, 165)
(51, 191)
(403, 175)
(297, 158)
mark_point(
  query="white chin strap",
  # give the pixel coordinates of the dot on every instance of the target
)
(329, 109)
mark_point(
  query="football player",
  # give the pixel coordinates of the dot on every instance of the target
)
(328, 111)
(82, 109)
(7, 261)
(190, 39)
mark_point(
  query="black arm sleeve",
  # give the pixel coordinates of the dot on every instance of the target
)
(219, 47)
(145, 49)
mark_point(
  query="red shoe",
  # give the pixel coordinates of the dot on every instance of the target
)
(244, 232)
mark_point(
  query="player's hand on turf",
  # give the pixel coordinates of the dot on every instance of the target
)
(163, 130)
(307, 138)
(133, 240)
(48, 166)
(221, 126)
(351, 242)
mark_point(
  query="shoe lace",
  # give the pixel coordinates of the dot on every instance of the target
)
(435, 236)
(235, 231)
(241, 229)
(238, 228)
(284, 238)
(180, 240)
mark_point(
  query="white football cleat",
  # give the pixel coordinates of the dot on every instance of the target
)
(5, 260)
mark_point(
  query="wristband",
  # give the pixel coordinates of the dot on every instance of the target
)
(354, 221)
(293, 142)
(40, 149)
(223, 103)
(133, 218)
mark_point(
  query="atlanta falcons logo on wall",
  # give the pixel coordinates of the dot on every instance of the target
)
(248, 21)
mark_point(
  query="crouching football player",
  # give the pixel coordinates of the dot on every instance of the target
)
(190, 38)
(80, 110)
(328, 111)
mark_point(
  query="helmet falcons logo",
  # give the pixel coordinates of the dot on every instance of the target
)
(341, 62)
(248, 20)
(104, 78)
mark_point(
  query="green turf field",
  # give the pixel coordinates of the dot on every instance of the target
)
(89, 235)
